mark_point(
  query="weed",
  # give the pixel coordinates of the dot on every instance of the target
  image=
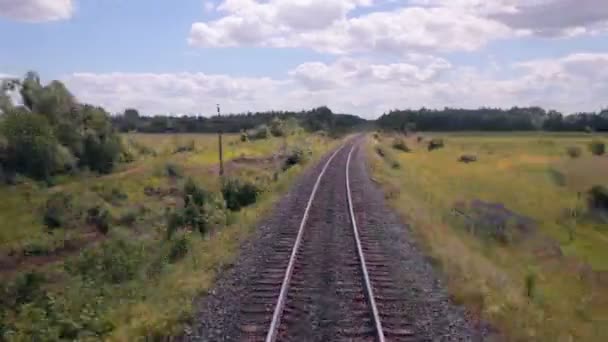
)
(238, 193)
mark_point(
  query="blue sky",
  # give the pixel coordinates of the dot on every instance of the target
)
(357, 56)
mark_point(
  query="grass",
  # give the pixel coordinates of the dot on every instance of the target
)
(528, 296)
(145, 304)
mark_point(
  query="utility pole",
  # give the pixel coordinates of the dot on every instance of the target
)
(220, 144)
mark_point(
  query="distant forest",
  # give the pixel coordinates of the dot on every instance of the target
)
(317, 119)
(492, 119)
(322, 118)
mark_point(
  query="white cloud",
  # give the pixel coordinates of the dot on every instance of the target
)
(577, 82)
(36, 10)
(324, 25)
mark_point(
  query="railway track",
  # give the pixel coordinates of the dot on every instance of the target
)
(327, 279)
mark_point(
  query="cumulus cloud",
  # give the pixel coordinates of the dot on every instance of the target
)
(36, 10)
(324, 25)
(540, 17)
(576, 82)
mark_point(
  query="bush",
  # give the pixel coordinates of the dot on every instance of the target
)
(395, 165)
(187, 147)
(110, 195)
(574, 151)
(193, 192)
(114, 261)
(260, 133)
(598, 198)
(277, 128)
(467, 158)
(435, 143)
(244, 136)
(238, 194)
(128, 219)
(173, 171)
(296, 156)
(179, 248)
(380, 151)
(399, 144)
(100, 218)
(597, 147)
(58, 211)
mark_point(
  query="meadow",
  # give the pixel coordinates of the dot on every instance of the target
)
(130, 254)
(508, 225)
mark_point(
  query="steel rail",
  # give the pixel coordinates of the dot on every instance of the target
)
(278, 311)
(368, 285)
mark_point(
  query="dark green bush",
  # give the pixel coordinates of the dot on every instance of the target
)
(296, 156)
(598, 198)
(574, 151)
(193, 216)
(173, 171)
(193, 192)
(58, 211)
(238, 193)
(114, 261)
(175, 221)
(99, 218)
(597, 147)
(399, 144)
(179, 248)
(435, 143)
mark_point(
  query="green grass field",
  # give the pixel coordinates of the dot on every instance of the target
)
(550, 284)
(156, 295)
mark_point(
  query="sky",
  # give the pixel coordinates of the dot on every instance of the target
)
(362, 57)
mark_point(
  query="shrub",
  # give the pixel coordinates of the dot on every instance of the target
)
(395, 165)
(435, 143)
(187, 147)
(574, 151)
(128, 219)
(58, 210)
(296, 156)
(597, 147)
(419, 139)
(262, 132)
(114, 261)
(238, 194)
(467, 158)
(380, 151)
(193, 216)
(179, 248)
(175, 221)
(530, 285)
(173, 171)
(399, 144)
(244, 136)
(277, 128)
(193, 192)
(598, 197)
(100, 218)
(110, 195)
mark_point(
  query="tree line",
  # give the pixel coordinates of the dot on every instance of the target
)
(492, 119)
(317, 119)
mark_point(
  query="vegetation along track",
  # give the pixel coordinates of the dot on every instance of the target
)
(327, 278)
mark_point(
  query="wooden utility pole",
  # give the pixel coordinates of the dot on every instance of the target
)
(220, 143)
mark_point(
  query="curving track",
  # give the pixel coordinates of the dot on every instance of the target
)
(326, 278)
